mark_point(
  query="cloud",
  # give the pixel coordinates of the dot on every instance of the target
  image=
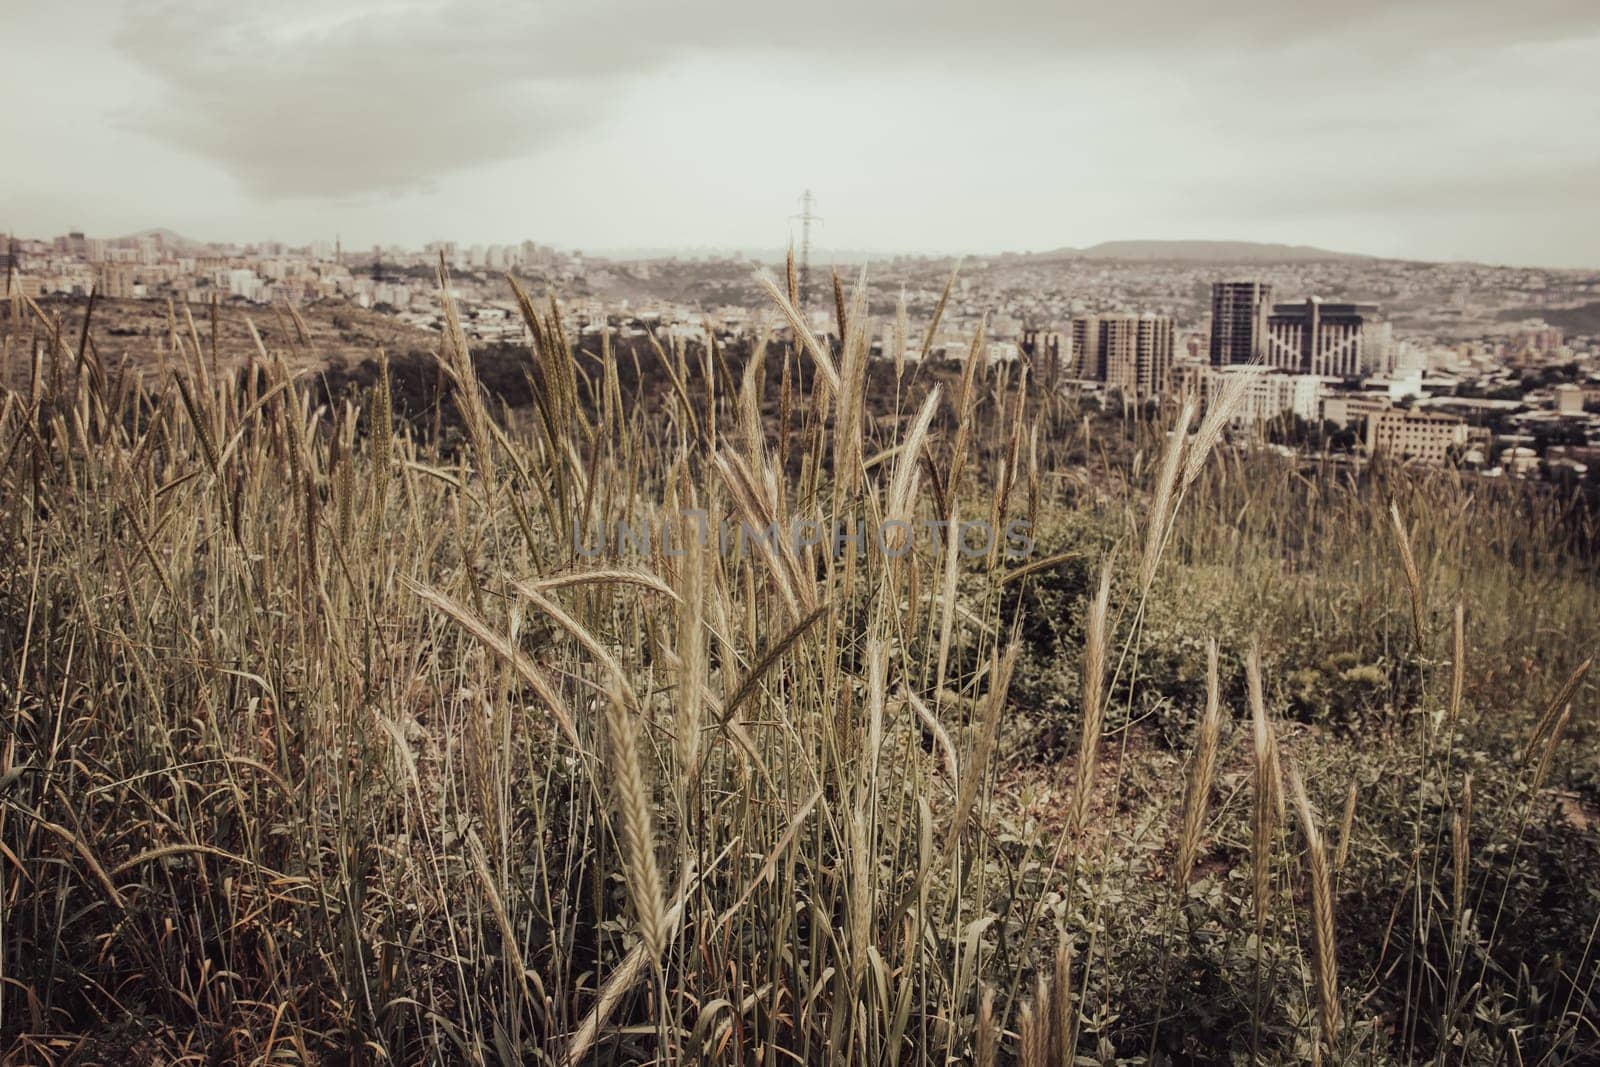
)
(1406, 126)
(337, 101)
(296, 105)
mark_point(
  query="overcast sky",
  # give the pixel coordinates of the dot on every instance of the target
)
(1438, 130)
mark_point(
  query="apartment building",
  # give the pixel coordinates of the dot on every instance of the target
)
(1085, 358)
(114, 280)
(1238, 321)
(1132, 353)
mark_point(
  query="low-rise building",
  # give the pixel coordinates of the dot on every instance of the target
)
(1344, 408)
(1519, 461)
(1266, 393)
(114, 280)
(1415, 436)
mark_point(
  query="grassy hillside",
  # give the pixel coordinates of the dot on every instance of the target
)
(131, 336)
(330, 737)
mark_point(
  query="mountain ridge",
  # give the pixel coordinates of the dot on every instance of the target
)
(1200, 251)
(171, 238)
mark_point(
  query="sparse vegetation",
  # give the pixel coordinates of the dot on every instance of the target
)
(323, 742)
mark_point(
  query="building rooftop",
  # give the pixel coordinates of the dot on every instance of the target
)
(1326, 307)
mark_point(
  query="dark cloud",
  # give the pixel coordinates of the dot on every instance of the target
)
(376, 102)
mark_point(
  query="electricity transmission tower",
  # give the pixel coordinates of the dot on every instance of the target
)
(806, 217)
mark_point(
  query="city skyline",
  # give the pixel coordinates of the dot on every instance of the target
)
(1022, 127)
(1220, 254)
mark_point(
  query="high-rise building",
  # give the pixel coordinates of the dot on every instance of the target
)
(1132, 353)
(1150, 371)
(1087, 360)
(1238, 321)
(1119, 351)
(1043, 349)
(1344, 340)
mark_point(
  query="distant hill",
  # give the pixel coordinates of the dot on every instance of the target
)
(770, 256)
(1200, 252)
(1580, 321)
(169, 238)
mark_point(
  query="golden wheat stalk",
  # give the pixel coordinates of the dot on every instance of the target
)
(973, 774)
(624, 978)
(947, 599)
(1347, 826)
(635, 825)
(1551, 742)
(1557, 704)
(1265, 759)
(1039, 1050)
(381, 432)
(1032, 1035)
(1201, 769)
(1062, 1028)
(1094, 703)
(1458, 663)
(966, 420)
(507, 652)
(862, 852)
(941, 736)
(938, 311)
(877, 695)
(902, 338)
(1160, 521)
(1218, 413)
(1408, 563)
(803, 336)
(1461, 844)
(692, 667)
(605, 576)
(901, 501)
(1327, 964)
(1458, 861)
(988, 1038)
(344, 484)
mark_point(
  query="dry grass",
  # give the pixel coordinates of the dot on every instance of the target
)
(325, 742)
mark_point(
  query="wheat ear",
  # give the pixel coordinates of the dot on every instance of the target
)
(635, 825)
(1201, 769)
(1094, 681)
(1321, 911)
